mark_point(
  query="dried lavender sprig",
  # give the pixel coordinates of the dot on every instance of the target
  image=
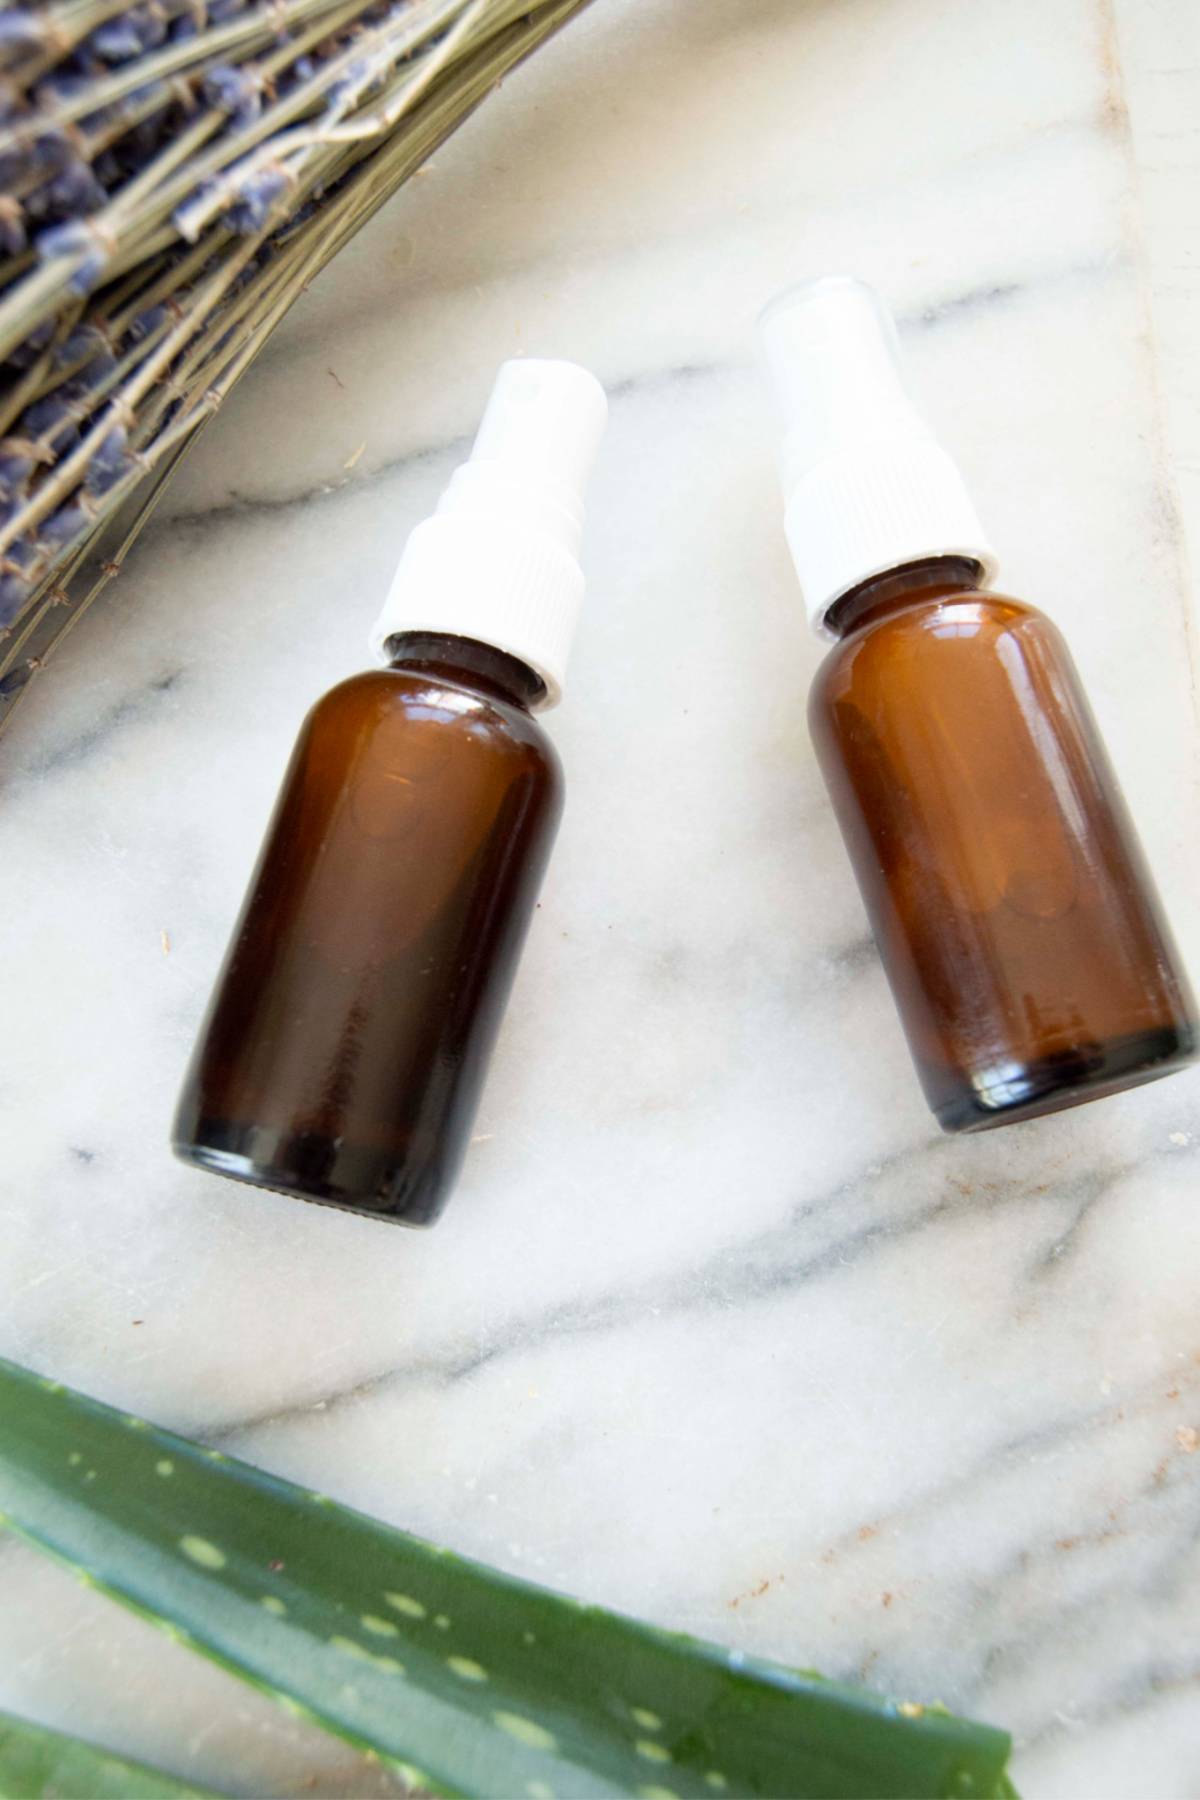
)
(82, 254)
(269, 67)
(42, 631)
(30, 386)
(64, 27)
(427, 17)
(393, 44)
(162, 344)
(56, 488)
(238, 33)
(364, 126)
(68, 473)
(168, 419)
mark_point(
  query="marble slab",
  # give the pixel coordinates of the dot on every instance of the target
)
(718, 1328)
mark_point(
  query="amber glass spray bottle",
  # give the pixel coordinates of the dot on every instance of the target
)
(1017, 922)
(347, 1041)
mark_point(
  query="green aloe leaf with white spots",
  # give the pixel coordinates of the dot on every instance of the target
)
(37, 1764)
(465, 1680)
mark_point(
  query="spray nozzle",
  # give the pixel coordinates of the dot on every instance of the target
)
(543, 418)
(834, 368)
(867, 487)
(499, 559)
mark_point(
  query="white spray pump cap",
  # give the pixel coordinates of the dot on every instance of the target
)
(866, 486)
(499, 559)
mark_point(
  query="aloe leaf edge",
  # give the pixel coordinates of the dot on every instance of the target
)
(464, 1680)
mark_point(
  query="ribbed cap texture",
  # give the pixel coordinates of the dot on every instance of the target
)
(866, 511)
(501, 584)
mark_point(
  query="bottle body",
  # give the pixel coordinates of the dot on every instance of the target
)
(346, 1045)
(1017, 922)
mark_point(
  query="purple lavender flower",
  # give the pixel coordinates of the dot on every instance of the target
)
(19, 30)
(51, 420)
(235, 91)
(66, 523)
(117, 40)
(26, 354)
(83, 341)
(17, 462)
(93, 375)
(256, 196)
(147, 323)
(358, 77)
(110, 463)
(50, 153)
(61, 84)
(89, 274)
(71, 195)
(68, 240)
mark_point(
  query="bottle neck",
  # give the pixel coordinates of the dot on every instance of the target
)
(494, 672)
(895, 588)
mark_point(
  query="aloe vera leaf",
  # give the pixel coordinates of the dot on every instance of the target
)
(464, 1679)
(38, 1764)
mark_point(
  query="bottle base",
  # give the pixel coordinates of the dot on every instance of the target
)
(320, 1170)
(1007, 1095)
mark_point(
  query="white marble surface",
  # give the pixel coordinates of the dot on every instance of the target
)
(718, 1329)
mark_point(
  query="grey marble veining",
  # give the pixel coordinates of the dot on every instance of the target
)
(719, 1329)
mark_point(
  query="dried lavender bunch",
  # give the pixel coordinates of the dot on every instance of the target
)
(172, 175)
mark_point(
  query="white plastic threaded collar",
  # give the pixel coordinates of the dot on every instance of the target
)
(501, 582)
(874, 508)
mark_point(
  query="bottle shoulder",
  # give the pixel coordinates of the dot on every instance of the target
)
(393, 699)
(968, 627)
